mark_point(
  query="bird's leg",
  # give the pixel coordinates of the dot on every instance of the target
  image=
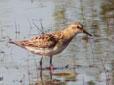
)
(50, 60)
(51, 65)
(41, 61)
(41, 68)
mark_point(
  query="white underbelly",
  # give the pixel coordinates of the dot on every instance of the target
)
(45, 51)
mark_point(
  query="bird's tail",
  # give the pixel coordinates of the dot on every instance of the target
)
(18, 43)
(12, 42)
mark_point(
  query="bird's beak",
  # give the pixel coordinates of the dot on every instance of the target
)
(86, 32)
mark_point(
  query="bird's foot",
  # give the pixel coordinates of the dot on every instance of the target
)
(51, 68)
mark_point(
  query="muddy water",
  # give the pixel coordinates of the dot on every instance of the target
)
(86, 61)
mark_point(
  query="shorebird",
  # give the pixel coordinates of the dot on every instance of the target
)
(52, 43)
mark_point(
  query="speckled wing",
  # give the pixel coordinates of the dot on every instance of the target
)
(43, 41)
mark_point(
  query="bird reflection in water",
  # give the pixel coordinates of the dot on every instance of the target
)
(59, 76)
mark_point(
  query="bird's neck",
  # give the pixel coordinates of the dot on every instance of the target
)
(68, 33)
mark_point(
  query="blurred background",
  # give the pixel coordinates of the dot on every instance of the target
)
(90, 61)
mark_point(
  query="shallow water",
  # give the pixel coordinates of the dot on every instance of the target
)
(88, 61)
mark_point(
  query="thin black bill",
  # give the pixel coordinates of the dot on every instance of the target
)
(86, 33)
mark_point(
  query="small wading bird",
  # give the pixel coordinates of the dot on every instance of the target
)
(52, 43)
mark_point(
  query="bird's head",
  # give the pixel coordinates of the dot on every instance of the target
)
(78, 28)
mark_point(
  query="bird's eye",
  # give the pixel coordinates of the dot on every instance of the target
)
(78, 26)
